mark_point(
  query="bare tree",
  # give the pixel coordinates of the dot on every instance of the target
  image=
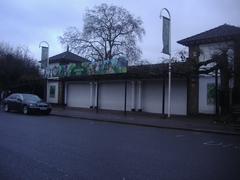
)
(108, 32)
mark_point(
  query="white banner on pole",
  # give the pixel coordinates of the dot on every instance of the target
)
(166, 35)
(44, 57)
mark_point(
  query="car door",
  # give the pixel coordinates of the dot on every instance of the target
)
(11, 101)
(18, 102)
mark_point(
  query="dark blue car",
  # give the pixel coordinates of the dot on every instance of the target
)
(26, 103)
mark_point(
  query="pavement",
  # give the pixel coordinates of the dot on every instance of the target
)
(201, 123)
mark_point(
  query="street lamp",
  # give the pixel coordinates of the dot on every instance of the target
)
(167, 50)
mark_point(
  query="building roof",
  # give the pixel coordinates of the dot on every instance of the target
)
(224, 32)
(67, 57)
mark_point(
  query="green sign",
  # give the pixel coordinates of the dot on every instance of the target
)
(113, 66)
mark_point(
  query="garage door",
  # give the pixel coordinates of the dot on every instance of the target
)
(152, 97)
(178, 97)
(111, 96)
(78, 95)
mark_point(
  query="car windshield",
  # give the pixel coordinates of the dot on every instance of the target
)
(30, 97)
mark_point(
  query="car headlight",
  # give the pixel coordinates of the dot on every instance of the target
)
(32, 105)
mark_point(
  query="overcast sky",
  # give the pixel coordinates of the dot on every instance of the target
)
(27, 22)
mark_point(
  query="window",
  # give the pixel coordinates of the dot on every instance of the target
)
(52, 91)
(12, 96)
(211, 94)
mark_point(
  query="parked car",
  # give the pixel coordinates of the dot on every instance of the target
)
(26, 103)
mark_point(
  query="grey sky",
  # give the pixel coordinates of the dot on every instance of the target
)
(27, 22)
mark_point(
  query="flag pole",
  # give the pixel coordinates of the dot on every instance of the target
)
(169, 63)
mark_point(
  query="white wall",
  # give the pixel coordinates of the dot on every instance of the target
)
(52, 99)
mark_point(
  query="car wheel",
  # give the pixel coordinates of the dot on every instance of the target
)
(6, 109)
(25, 110)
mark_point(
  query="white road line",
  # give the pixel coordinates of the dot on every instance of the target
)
(212, 143)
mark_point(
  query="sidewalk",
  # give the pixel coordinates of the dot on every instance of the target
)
(199, 123)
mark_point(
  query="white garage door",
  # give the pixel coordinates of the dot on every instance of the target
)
(178, 97)
(78, 95)
(152, 97)
(111, 96)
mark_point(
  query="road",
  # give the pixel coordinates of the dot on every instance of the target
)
(49, 147)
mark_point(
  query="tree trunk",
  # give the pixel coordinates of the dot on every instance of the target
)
(225, 93)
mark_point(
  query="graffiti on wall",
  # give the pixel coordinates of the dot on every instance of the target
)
(113, 66)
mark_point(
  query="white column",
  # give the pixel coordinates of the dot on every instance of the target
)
(139, 95)
(91, 94)
(169, 88)
(66, 92)
(133, 96)
(95, 98)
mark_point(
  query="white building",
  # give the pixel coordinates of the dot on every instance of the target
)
(141, 88)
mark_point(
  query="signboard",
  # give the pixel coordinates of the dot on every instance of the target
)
(166, 35)
(113, 66)
(211, 98)
(44, 57)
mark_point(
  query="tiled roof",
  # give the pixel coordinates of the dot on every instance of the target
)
(220, 33)
(67, 57)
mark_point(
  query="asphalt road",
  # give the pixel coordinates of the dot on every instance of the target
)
(49, 147)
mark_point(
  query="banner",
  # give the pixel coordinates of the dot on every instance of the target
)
(44, 57)
(166, 35)
(113, 66)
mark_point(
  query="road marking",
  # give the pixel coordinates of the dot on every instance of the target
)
(212, 143)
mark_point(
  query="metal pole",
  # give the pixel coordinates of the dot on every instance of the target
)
(163, 97)
(125, 97)
(169, 88)
(97, 89)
